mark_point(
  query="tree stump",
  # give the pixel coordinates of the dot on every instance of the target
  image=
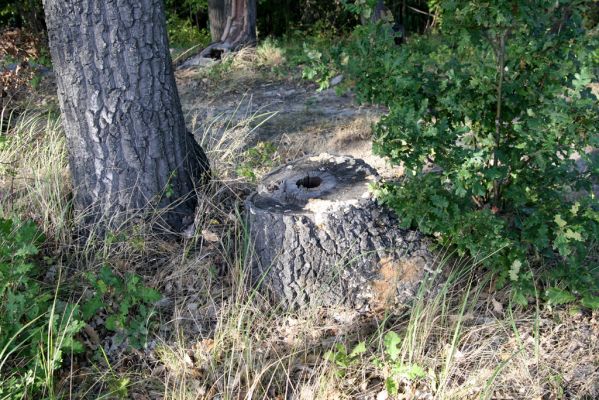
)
(319, 238)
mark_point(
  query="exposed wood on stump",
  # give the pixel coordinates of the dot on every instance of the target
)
(320, 238)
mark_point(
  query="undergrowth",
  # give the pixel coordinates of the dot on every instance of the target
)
(493, 117)
(210, 335)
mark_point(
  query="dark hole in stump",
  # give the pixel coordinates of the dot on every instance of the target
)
(309, 182)
(216, 54)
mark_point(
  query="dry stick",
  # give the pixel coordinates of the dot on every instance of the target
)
(186, 52)
(418, 11)
(501, 66)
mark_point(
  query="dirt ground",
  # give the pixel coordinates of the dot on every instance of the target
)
(287, 111)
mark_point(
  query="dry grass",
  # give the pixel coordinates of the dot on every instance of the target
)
(34, 179)
(220, 339)
(356, 130)
(269, 54)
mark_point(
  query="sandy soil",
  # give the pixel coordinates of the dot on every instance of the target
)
(300, 120)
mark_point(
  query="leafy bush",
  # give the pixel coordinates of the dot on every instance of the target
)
(317, 67)
(182, 34)
(35, 328)
(487, 115)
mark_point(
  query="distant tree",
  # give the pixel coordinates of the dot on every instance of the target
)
(232, 25)
(217, 15)
(129, 150)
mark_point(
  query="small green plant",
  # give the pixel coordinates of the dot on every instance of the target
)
(125, 302)
(219, 70)
(117, 384)
(391, 366)
(257, 159)
(342, 359)
(318, 67)
(36, 327)
(394, 366)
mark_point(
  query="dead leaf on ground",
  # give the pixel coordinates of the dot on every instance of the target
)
(210, 236)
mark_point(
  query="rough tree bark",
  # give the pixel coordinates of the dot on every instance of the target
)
(217, 15)
(129, 150)
(320, 239)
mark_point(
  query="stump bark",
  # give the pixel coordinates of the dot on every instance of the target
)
(319, 238)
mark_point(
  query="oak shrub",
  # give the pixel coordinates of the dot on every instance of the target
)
(492, 115)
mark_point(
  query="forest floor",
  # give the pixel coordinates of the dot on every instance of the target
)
(285, 110)
(212, 337)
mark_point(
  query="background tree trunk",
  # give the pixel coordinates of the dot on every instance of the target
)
(129, 150)
(319, 238)
(218, 11)
(239, 28)
(241, 24)
(379, 11)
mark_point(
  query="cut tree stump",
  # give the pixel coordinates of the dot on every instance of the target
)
(319, 238)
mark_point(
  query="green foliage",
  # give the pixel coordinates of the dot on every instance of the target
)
(312, 17)
(257, 160)
(314, 53)
(218, 71)
(363, 8)
(126, 304)
(185, 9)
(344, 360)
(297, 46)
(486, 116)
(390, 364)
(23, 13)
(35, 327)
(317, 69)
(182, 34)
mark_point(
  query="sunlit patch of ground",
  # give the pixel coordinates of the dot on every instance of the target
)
(303, 121)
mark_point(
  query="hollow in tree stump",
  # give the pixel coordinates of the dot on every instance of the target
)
(319, 238)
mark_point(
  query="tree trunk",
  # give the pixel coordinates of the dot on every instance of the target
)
(217, 15)
(320, 239)
(234, 23)
(129, 150)
(379, 11)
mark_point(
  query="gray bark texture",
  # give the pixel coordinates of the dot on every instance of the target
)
(239, 27)
(129, 150)
(218, 11)
(320, 239)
